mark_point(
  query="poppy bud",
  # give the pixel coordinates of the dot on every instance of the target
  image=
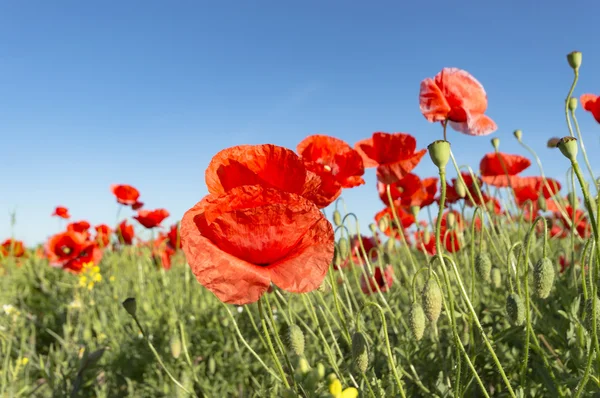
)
(451, 220)
(588, 317)
(303, 365)
(426, 235)
(320, 371)
(373, 228)
(439, 151)
(574, 59)
(414, 210)
(496, 143)
(360, 352)
(130, 306)
(390, 244)
(337, 218)
(416, 320)
(542, 203)
(337, 259)
(515, 309)
(460, 188)
(518, 135)
(483, 266)
(543, 277)
(568, 147)
(496, 277)
(175, 346)
(432, 300)
(344, 247)
(295, 339)
(572, 104)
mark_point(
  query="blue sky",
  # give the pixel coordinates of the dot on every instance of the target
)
(145, 92)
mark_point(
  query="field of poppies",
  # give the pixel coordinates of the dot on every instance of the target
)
(481, 285)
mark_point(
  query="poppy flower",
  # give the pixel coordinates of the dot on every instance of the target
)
(125, 233)
(528, 190)
(81, 227)
(13, 247)
(269, 166)
(393, 154)
(425, 241)
(496, 166)
(381, 278)
(591, 103)
(577, 219)
(173, 238)
(386, 218)
(410, 191)
(64, 247)
(61, 212)
(103, 232)
(356, 255)
(162, 253)
(332, 159)
(455, 96)
(450, 234)
(125, 194)
(137, 205)
(239, 241)
(151, 218)
(89, 253)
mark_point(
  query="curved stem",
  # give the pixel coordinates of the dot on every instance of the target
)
(575, 78)
(270, 344)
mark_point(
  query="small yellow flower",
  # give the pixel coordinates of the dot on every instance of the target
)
(90, 285)
(96, 269)
(335, 389)
(82, 280)
(97, 278)
(112, 278)
(24, 361)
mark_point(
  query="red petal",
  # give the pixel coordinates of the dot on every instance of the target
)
(433, 105)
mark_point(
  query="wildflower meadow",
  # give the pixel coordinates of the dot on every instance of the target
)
(480, 285)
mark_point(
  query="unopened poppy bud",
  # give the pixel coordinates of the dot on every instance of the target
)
(543, 276)
(589, 318)
(295, 339)
(518, 135)
(568, 147)
(483, 266)
(574, 59)
(344, 247)
(390, 244)
(416, 320)
(320, 371)
(373, 228)
(414, 210)
(460, 188)
(360, 352)
(439, 151)
(175, 346)
(426, 236)
(515, 309)
(451, 220)
(130, 306)
(553, 142)
(337, 218)
(432, 300)
(542, 203)
(496, 277)
(572, 104)
(383, 224)
(496, 143)
(303, 365)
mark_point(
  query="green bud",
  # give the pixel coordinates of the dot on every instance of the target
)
(483, 266)
(572, 104)
(294, 339)
(303, 365)
(416, 321)
(568, 147)
(515, 309)
(589, 317)
(212, 365)
(439, 151)
(450, 220)
(542, 203)
(130, 306)
(432, 300)
(414, 210)
(383, 224)
(460, 188)
(496, 143)
(337, 218)
(320, 371)
(344, 247)
(574, 59)
(518, 135)
(360, 352)
(465, 336)
(373, 228)
(496, 277)
(390, 244)
(543, 277)
(175, 345)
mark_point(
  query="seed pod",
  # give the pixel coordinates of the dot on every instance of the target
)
(496, 277)
(543, 277)
(515, 309)
(589, 318)
(294, 339)
(416, 320)
(175, 346)
(432, 300)
(130, 306)
(360, 352)
(337, 218)
(483, 266)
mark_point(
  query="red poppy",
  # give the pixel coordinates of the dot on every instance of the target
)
(173, 238)
(240, 241)
(393, 154)
(332, 159)
(456, 96)
(410, 191)
(470, 186)
(81, 227)
(103, 232)
(125, 233)
(137, 205)
(61, 212)
(425, 241)
(356, 255)
(162, 252)
(64, 247)
(268, 166)
(89, 253)
(125, 194)
(496, 166)
(13, 247)
(151, 218)
(529, 189)
(450, 234)
(578, 219)
(591, 103)
(391, 227)
(382, 279)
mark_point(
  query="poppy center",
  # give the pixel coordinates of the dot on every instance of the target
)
(66, 250)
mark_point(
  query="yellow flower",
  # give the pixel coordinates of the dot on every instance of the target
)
(335, 389)
(82, 280)
(96, 269)
(90, 285)
(24, 361)
(97, 278)
(112, 278)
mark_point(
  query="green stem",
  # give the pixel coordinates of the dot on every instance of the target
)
(270, 344)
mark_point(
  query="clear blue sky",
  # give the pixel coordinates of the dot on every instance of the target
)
(145, 92)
